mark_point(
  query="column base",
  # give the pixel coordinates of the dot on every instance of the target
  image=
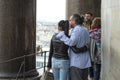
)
(30, 78)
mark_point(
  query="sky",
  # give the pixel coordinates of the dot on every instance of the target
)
(51, 10)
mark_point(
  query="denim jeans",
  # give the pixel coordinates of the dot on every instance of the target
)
(60, 68)
(97, 72)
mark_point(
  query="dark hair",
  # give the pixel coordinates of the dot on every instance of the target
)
(64, 25)
(78, 19)
(61, 24)
(89, 13)
(66, 29)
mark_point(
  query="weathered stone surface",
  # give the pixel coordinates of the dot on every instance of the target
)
(110, 39)
(17, 36)
(83, 6)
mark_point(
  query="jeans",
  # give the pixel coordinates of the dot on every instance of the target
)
(97, 72)
(60, 68)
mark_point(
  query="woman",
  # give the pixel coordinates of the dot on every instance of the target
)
(58, 56)
(95, 34)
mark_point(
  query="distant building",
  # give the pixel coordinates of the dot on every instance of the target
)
(44, 32)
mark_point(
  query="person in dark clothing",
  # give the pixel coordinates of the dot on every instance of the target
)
(58, 56)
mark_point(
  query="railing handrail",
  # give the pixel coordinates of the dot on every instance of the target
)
(23, 63)
(21, 57)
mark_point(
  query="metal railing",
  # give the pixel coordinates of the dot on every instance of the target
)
(23, 64)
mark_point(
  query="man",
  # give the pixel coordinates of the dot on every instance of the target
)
(88, 20)
(79, 62)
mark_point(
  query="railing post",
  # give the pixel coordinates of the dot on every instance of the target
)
(44, 60)
(24, 68)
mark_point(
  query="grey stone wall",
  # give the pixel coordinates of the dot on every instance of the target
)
(110, 39)
(17, 38)
(83, 6)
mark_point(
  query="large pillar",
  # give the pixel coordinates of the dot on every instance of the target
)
(110, 40)
(17, 37)
(82, 6)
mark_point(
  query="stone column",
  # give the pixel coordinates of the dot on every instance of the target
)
(17, 37)
(83, 6)
(110, 40)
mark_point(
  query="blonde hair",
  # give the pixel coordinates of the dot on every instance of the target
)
(96, 22)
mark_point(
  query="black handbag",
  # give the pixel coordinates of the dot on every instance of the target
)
(47, 76)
